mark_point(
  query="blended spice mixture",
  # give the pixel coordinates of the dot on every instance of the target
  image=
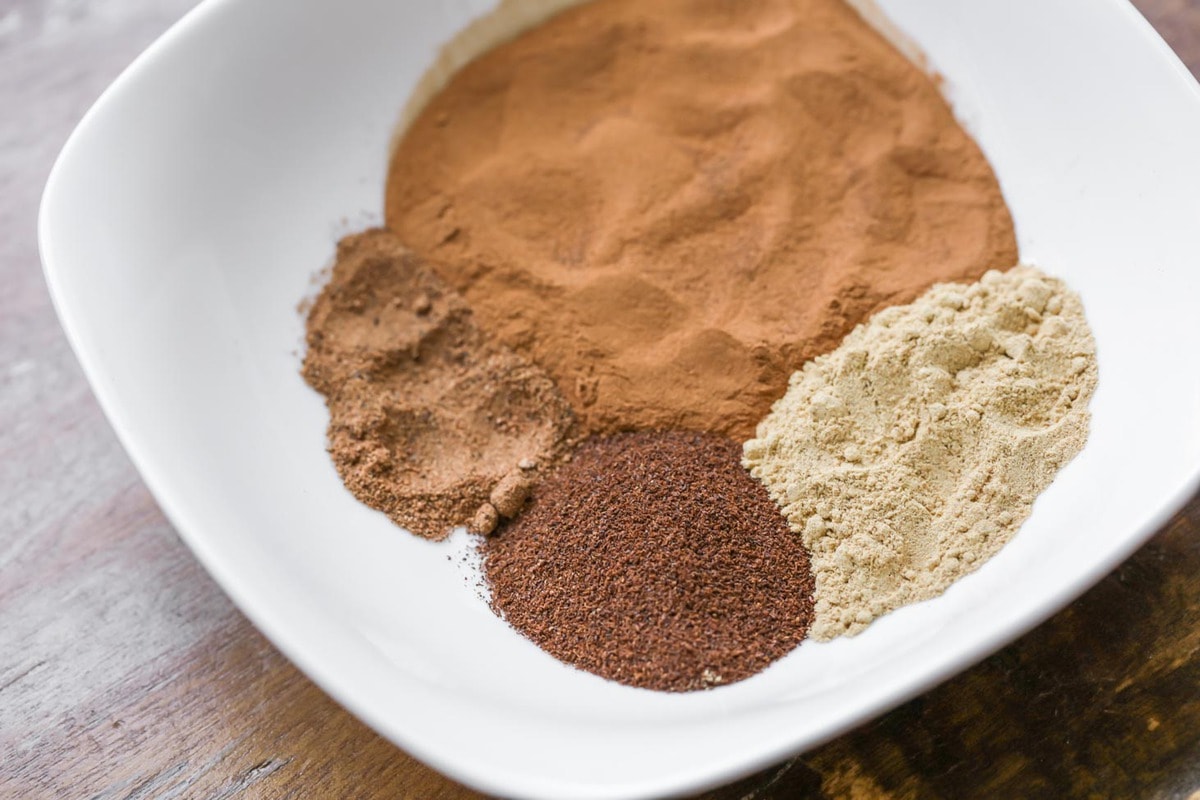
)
(654, 559)
(671, 206)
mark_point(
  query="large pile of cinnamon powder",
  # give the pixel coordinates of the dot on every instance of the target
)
(671, 206)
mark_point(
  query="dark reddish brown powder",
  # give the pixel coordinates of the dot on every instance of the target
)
(655, 560)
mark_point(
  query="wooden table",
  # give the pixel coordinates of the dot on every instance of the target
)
(126, 673)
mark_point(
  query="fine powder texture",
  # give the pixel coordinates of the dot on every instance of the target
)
(914, 452)
(670, 206)
(428, 418)
(654, 559)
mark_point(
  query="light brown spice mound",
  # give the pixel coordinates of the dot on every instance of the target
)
(670, 206)
(428, 418)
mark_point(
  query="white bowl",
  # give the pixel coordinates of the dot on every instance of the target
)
(186, 215)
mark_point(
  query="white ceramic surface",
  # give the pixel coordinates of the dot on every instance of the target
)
(187, 213)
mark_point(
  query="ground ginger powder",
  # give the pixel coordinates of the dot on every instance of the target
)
(913, 452)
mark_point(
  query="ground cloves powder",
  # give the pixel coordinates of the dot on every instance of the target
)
(655, 560)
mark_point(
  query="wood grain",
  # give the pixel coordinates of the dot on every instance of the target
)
(125, 673)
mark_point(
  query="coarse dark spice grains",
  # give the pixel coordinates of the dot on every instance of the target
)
(655, 560)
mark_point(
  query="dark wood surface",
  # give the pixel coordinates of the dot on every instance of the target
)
(126, 673)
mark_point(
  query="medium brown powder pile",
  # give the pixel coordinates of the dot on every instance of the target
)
(670, 206)
(428, 418)
(654, 559)
(912, 453)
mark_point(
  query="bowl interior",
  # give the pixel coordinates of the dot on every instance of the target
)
(187, 217)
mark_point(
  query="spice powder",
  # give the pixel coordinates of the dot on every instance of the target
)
(655, 560)
(670, 206)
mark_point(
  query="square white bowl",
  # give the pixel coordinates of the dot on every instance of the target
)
(186, 215)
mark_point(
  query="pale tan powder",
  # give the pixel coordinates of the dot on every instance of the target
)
(914, 452)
